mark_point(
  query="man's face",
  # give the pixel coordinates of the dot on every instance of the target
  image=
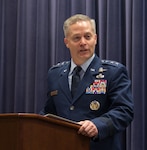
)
(81, 41)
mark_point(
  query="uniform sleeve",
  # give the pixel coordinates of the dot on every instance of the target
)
(49, 106)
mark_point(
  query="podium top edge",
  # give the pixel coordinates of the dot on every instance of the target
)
(47, 118)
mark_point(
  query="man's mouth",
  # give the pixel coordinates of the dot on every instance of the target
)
(83, 50)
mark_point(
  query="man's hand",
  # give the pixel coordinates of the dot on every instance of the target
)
(88, 128)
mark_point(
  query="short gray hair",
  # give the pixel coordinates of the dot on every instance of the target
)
(76, 18)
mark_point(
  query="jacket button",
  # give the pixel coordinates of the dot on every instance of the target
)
(72, 107)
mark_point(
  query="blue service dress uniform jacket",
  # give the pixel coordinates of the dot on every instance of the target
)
(103, 96)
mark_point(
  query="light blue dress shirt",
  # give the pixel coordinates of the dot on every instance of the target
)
(82, 72)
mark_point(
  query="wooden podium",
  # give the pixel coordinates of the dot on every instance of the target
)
(35, 132)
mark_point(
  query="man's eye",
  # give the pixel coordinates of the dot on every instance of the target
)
(88, 37)
(76, 38)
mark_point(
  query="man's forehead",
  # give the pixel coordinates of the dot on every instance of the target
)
(80, 27)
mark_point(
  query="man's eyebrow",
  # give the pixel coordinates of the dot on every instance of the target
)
(84, 33)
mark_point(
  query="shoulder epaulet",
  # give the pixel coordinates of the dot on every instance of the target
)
(110, 62)
(60, 64)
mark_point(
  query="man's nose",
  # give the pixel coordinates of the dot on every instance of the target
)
(82, 41)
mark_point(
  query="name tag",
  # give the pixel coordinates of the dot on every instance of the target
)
(53, 93)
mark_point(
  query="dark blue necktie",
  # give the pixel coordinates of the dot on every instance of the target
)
(75, 80)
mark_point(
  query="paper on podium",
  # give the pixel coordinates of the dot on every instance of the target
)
(61, 118)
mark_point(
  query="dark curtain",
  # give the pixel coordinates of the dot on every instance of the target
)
(31, 41)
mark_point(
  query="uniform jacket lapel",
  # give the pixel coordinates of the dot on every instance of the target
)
(89, 77)
(63, 82)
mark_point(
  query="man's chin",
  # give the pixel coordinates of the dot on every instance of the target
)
(85, 55)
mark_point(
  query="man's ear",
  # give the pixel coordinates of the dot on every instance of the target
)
(96, 38)
(66, 42)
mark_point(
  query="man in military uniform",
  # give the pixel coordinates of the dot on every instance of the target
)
(101, 101)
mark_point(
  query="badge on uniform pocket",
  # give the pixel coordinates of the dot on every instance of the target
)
(94, 105)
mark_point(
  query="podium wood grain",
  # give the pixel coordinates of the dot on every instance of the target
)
(35, 132)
